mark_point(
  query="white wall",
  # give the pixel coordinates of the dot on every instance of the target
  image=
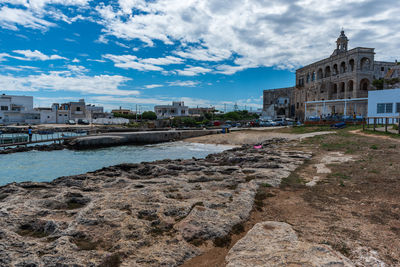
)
(383, 97)
(48, 116)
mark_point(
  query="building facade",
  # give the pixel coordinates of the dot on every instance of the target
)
(17, 109)
(277, 103)
(199, 111)
(384, 103)
(323, 86)
(177, 109)
(70, 111)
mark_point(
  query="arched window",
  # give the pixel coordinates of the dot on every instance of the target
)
(320, 74)
(365, 64)
(313, 76)
(350, 86)
(364, 84)
(335, 70)
(342, 67)
(351, 64)
(342, 87)
(308, 77)
(335, 88)
(327, 71)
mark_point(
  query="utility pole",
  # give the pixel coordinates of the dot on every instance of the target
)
(136, 113)
(225, 108)
(235, 107)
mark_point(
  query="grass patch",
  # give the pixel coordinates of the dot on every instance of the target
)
(339, 175)
(374, 147)
(292, 180)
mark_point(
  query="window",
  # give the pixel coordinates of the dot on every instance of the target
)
(4, 107)
(380, 108)
(78, 108)
(389, 108)
(397, 107)
(382, 68)
(385, 108)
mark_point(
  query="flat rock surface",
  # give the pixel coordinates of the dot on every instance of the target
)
(276, 244)
(147, 214)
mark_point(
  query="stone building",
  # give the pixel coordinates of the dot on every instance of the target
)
(278, 103)
(338, 84)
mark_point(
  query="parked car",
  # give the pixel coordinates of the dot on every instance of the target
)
(280, 122)
(267, 123)
(83, 121)
(71, 122)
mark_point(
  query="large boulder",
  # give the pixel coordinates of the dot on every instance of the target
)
(276, 244)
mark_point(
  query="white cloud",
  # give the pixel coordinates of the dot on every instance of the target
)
(10, 18)
(77, 69)
(75, 60)
(280, 33)
(67, 81)
(151, 86)
(174, 83)
(193, 71)
(3, 56)
(20, 68)
(97, 60)
(133, 62)
(35, 55)
(183, 83)
(30, 14)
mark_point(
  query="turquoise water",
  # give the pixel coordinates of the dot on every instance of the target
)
(42, 166)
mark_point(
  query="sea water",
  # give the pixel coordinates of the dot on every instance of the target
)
(44, 166)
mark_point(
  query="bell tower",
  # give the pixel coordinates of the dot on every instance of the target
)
(342, 43)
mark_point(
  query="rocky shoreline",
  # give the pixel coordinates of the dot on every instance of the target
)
(50, 147)
(160, 213)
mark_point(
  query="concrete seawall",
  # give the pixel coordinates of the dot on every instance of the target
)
(135, 138)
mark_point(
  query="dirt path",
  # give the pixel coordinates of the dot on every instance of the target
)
(360, 132)
(354, 207)
(250, 137)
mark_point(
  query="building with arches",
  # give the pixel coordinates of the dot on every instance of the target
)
(338, 84)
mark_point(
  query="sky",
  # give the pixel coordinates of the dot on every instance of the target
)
(203, 52)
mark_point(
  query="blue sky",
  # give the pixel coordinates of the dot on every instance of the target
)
(204, 52)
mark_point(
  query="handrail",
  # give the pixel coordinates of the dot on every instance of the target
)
(384, 121)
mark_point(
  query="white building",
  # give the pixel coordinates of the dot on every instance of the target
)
(177, 109)
(17, 109)
(384, 103)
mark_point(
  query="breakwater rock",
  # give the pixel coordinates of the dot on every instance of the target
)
(134, 138)
(147, 214)
(50, 147)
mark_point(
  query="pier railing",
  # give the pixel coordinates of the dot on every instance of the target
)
(40, 136)
(382, 124)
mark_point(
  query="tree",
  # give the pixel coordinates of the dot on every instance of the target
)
(378, 84)
(149, 115)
